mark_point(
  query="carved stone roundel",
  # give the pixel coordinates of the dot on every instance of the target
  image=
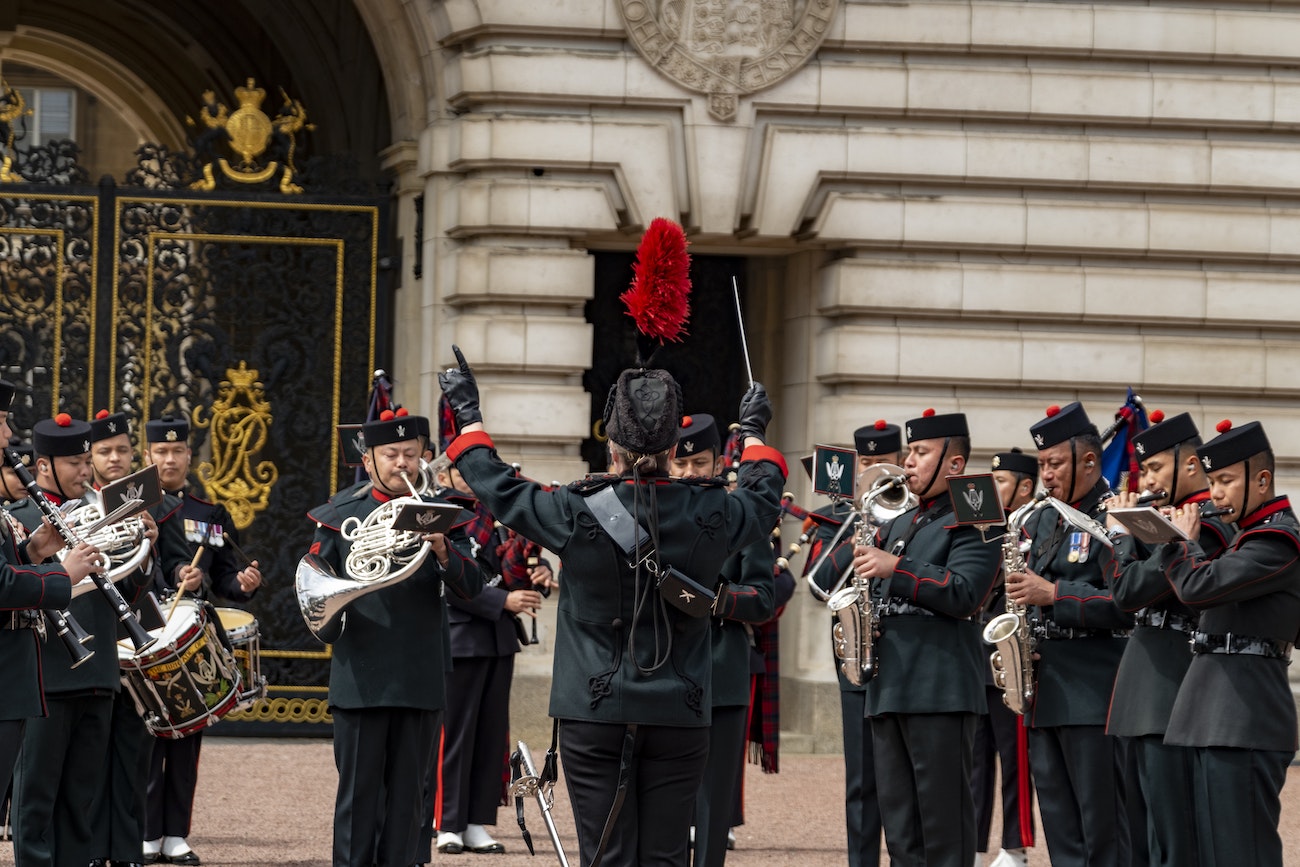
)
(726, 48)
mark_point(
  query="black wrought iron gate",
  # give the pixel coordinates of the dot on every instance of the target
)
(258, 316)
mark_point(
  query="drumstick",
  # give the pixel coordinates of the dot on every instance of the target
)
(180, 591)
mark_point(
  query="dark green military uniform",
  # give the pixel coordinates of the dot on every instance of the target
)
(608, 685)
(750, 596)
(929, 684)
(23, 589)
(63, 768)
(1155, 662)
(387, 687)
(861, 802)
(1235, 707)
(1077, 766)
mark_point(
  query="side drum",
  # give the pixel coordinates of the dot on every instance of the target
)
(246, 644)
(187, 681)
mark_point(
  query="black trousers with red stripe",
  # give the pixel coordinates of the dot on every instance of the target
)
(998, 738)
(169, 796)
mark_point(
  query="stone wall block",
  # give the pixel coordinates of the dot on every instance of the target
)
(1058, 224)
(1051, 26)
(1146, 31)
(959, 355)
(1090, 93)
(861, 217)
(1271, 298)
(1080, 358)
(1045, 158)
(1022, 291)
(965, 221)
(1142, 162)
(855, 352)
(868, 285)
(862, 86)
(970, 89)
(1201, 228)
(911, 24)
(541, 276)
(913, 152)
(1217, 99)
(1213, 363)
(1144, 295)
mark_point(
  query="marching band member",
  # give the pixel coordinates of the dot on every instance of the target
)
(631, 690)
(62, 770)
(1235, 708)
(24, 589)
(879, 443)
(750, 589)
(929, 578)
(174, 765)
(387, 686)
(120, 823)
(1158, 652)
(1076, 765)
(999, 734)
(476, 726)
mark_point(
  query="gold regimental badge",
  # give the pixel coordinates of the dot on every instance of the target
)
(249, 132)
(241, 422)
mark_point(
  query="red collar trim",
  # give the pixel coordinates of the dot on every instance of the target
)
(1198, 497)
(54, 498)
(379, 495)
(1272, 507)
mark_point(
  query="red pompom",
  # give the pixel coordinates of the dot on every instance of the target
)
(387, 415)
(103, 413)
(1224, 426)
(880, 424)
(659, 297)
(63, 420)
(686, 421)
(929, 413)
(401, 412)
(1157, 416)
(1053, 410)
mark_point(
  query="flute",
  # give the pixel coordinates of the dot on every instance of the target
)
(140, 638)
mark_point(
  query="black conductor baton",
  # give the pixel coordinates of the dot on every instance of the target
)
(140, 638)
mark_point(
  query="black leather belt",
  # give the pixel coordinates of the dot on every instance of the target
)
(24, 619)
(1050, 631)
(894, 606)
(1167, 620)
(1244, 645)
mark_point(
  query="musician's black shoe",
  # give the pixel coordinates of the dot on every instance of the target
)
(154, 858)
(125, 864)
(450, 843)
(478, 840)
(187, 858)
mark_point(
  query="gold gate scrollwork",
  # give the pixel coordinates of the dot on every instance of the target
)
(240, 422)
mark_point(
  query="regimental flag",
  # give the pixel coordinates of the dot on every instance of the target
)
(1119, 465)
(381, 398)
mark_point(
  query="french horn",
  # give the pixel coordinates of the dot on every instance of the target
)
(379, 557)
(123, 542)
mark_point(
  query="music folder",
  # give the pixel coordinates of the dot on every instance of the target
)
(833, 471)
(426, 517)
(140, 485)
(1148, 525)
(975, 500)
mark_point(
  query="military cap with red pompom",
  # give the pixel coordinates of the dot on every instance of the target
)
(61, 436)
(1233, 445)
(698, 433)
(394, 427)
(107, 425)
(1164, 434)
(932, 427)
(880, 438)
(168, 429)
(1061, 424)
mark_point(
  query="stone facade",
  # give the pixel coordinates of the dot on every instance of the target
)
(984, 206)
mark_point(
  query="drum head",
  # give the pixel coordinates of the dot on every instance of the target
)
(234, 618)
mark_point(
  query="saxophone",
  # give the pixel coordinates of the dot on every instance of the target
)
(1013, 661)
(856, 618)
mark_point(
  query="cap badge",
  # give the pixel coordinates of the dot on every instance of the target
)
(1038, 438)
(909, 431)
(112, 427)
(688, 446)
(997, 461)
(171, 436)
(401, 430)
(85, 445)
(871, 445)
(1206, 460)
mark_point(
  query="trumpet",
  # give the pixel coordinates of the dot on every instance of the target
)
(379, 557)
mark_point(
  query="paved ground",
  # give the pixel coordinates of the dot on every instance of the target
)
(269, 802)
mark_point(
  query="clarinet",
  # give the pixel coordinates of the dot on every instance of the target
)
(63, 624)
(140, 638)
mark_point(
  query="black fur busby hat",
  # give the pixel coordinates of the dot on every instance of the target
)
(642, 411)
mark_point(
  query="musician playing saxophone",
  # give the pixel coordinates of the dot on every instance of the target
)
(1159, 779)
(878, 443)
(387, 681)
(1076, 765)
(999, 736)
(929, 578)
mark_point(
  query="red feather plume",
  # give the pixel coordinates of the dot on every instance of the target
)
(659, 297)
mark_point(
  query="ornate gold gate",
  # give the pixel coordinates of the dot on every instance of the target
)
(255, 310)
